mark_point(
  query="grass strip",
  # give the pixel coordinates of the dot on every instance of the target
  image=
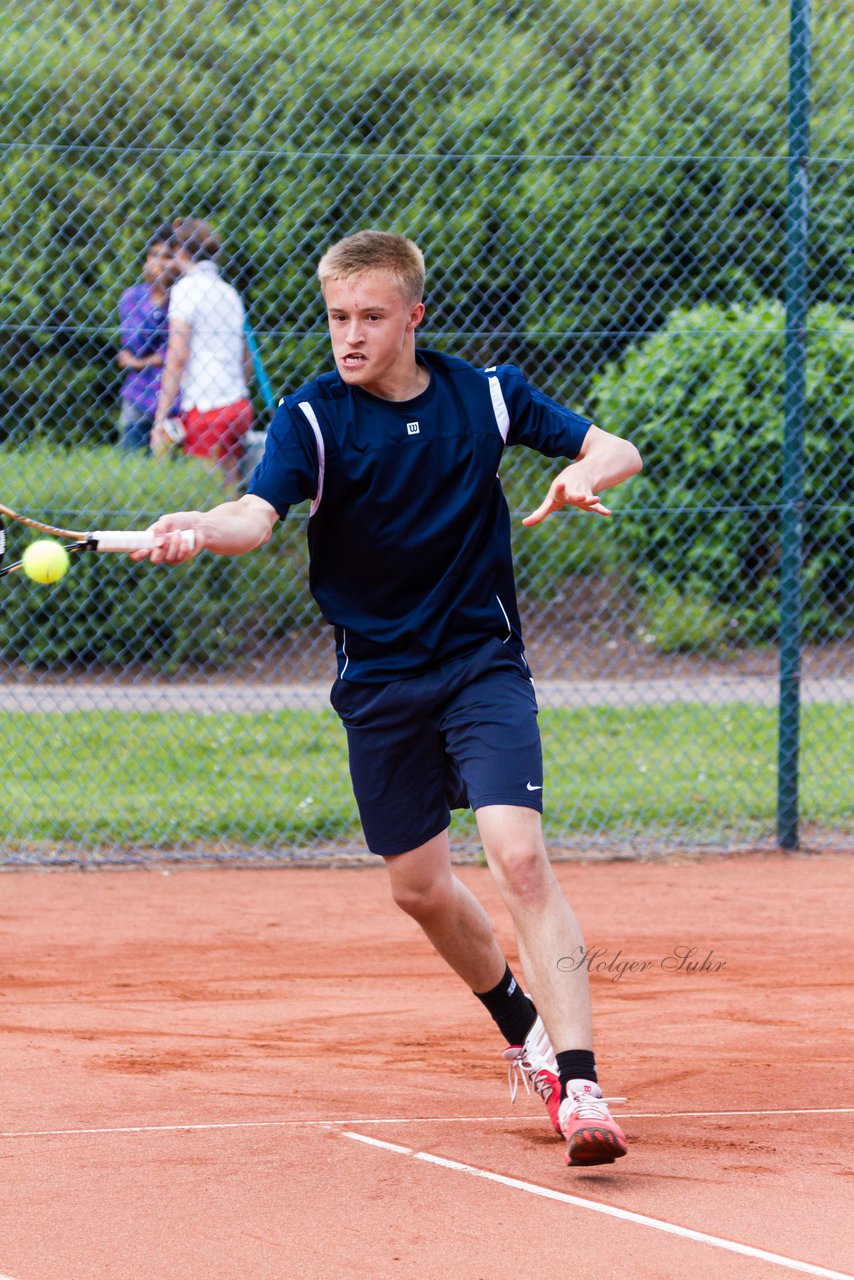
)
(279, 780)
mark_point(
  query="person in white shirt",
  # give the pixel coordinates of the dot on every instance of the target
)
(208, 359)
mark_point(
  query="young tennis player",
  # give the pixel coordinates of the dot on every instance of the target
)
(397, 450)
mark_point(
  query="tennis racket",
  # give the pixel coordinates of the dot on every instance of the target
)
(115, 540)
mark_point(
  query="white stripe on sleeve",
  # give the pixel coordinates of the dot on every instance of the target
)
(499, 408)
(321, 452)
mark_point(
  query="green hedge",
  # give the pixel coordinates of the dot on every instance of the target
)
(108, 610)
(570, 188)
(700, 527)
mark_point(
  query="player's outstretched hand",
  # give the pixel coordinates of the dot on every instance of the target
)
(569, 489)
(169, 546)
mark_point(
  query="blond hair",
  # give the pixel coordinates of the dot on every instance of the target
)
(379, 252)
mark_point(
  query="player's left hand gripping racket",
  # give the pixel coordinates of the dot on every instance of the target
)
(116, 540)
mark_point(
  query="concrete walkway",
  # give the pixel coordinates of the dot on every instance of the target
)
(203, 697)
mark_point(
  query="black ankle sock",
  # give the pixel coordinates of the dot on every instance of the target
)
(575, 1064)
(510, 1008)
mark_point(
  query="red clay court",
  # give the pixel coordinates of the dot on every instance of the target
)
(265, 1074)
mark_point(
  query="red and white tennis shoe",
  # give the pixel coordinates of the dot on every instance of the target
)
(592, 1134)
(534, 1063)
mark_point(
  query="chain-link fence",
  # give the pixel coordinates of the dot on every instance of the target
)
(601, 195)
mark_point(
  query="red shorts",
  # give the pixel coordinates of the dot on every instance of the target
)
(217, 433)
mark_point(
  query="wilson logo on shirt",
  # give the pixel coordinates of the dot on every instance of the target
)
(412, 428)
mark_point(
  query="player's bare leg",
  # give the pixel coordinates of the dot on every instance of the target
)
(424, 886)
(547, 931)
(546, 928)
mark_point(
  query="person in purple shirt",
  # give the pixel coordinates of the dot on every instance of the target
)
(144, 338)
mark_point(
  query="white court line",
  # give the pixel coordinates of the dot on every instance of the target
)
(177, 1128)
(679, 1115)
(402, 1120)
(611, 1211)
(621, 1115)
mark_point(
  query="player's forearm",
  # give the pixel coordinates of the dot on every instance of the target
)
(609, 460)
(233, 528)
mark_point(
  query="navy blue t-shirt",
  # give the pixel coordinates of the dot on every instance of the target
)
(409, 532)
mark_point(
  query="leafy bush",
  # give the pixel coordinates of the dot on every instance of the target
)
(109, 610)
(703, 399)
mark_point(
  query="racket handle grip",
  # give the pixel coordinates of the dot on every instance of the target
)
(133, 540)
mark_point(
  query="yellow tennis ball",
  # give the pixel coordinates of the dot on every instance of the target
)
(45, 561)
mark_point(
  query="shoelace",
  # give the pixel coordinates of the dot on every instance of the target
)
(519, 1068)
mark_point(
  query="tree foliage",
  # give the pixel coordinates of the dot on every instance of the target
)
(574, 173)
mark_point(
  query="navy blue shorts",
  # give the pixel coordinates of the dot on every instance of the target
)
(461, 736)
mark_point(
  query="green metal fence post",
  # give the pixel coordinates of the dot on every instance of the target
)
(794, 393)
